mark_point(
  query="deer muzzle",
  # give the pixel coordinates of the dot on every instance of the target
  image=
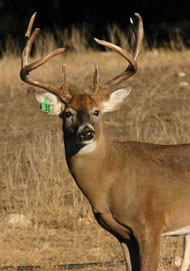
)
(86, 134)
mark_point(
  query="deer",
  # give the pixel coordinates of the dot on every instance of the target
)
(138, 191)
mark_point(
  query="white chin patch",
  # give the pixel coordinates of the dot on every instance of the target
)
(88, 141)
(89, 147)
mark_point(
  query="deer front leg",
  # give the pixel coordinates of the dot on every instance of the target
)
(186, 254)
(131, 253)
(129, 247)
(127, 256)
(149, 248)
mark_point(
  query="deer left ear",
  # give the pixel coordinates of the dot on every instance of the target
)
(116, 100)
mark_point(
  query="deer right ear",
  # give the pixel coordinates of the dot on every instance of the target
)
(55, 105)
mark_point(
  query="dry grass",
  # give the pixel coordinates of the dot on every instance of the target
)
(54, 222)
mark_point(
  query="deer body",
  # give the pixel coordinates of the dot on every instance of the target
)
(137, 171)
(138, 191)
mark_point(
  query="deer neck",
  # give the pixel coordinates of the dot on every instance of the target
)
(86, 164)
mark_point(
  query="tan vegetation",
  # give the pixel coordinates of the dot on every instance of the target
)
(44, 218)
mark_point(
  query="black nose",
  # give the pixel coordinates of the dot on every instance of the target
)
(86, 134)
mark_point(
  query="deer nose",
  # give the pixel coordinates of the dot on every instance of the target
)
(86, 134)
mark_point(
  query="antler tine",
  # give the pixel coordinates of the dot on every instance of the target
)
(139, 36)
(130, 70)
(64, 82)
(27, 68)
(96, 78)
(30, 25)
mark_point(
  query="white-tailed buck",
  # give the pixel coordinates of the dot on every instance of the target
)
(138, 191)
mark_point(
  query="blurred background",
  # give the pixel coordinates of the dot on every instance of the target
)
(163, 19)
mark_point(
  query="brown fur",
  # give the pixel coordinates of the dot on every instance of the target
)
(81, 102)
(137, 191)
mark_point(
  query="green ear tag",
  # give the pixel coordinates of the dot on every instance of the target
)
(45, 106)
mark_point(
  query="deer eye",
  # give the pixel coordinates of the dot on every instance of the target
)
(96, 112)
(68, 114)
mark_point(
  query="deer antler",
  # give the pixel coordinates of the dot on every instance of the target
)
(101, 91)
(26, 68)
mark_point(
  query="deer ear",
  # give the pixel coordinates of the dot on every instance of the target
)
(56, 106)
(115, 100)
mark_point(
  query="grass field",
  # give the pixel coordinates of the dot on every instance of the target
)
(44, 218)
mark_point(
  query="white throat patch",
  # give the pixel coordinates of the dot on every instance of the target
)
(88, 148)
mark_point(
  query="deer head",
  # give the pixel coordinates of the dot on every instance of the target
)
(81, 113)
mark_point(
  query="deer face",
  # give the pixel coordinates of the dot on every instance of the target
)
(81, 119)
